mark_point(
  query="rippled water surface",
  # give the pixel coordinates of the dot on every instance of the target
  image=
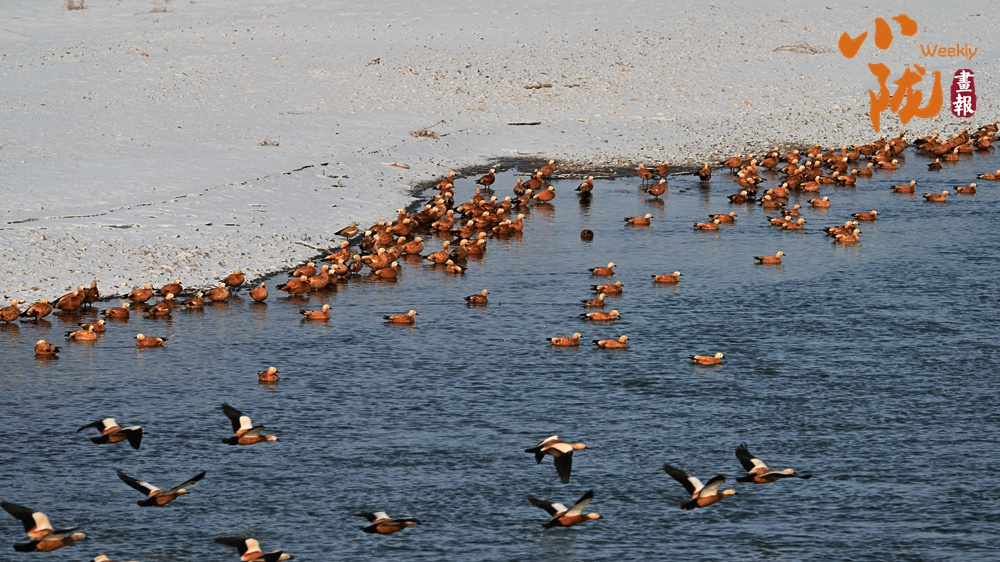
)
(873, 367)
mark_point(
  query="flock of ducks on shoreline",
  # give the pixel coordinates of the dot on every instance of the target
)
(467, 227)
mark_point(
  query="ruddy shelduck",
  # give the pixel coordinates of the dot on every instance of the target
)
(561, 453)
(83, 334)
(562, 517)
(545, 195)
(156, 497)
(381, 524)
(349, 231)
(196, 302)
(594, 303)
(607, 270)
(729, 217)
(548, 169)
(141, 295)
(111, 432)
(936, 197)
(174, 288)
(822, 203)
(37, 526)
(701, 494)
(905, 188)
(43, 347)
(259, 293)
(98, 326)
(91, 294)
(620, 343)
(966, 189)
(70, 302)
(643, 173)
(704, 173)
(37, 311)
(488, 178)
(601, 316)
(142, 340)
(866, 215)
(10, 313)
(118, 312)
(561, 341)
(707, 359)
(615, 288)
(270, 375)
(245, 433)
(321, 314)
(479, 298)
(667, 278)
(770, 260)
(657, 189)
(758, 472)
(219, 293)
(308, 270)
(234, 279)
(639, 221)
(408, 318)
(250, 551)
(295, 286)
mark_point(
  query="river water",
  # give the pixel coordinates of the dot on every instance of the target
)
(871, 367)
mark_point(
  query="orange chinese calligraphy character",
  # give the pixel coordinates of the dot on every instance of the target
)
(904, 92)
(849, 46)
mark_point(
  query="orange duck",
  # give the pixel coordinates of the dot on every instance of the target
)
(382, 524)
(111, 432)
(561, 453)
(770, 260)
(234, 279)
(601, 316)
(10, 313)
(118, 312)
(562, 517)
(936, 197)
(156, 497)
(250, 551)
(620, 343)
(142, 340)
(269, 376)
(667, 278)
(607, 270)
(488, 179)
(758, 472)
(141, 295)
(70, 302)
(37, 311)
(322, 314)
(702, 495)
(479, 298)
(572, 341)
(639, 221)
(245, 432)
(408, 318)
(43, 347)
(37, 527)
(707, 359)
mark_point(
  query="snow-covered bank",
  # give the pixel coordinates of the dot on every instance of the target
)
(132, 148)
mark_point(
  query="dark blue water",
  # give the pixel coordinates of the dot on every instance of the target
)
(873, 367)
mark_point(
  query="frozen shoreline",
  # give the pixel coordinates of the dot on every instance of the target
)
(131, 151)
